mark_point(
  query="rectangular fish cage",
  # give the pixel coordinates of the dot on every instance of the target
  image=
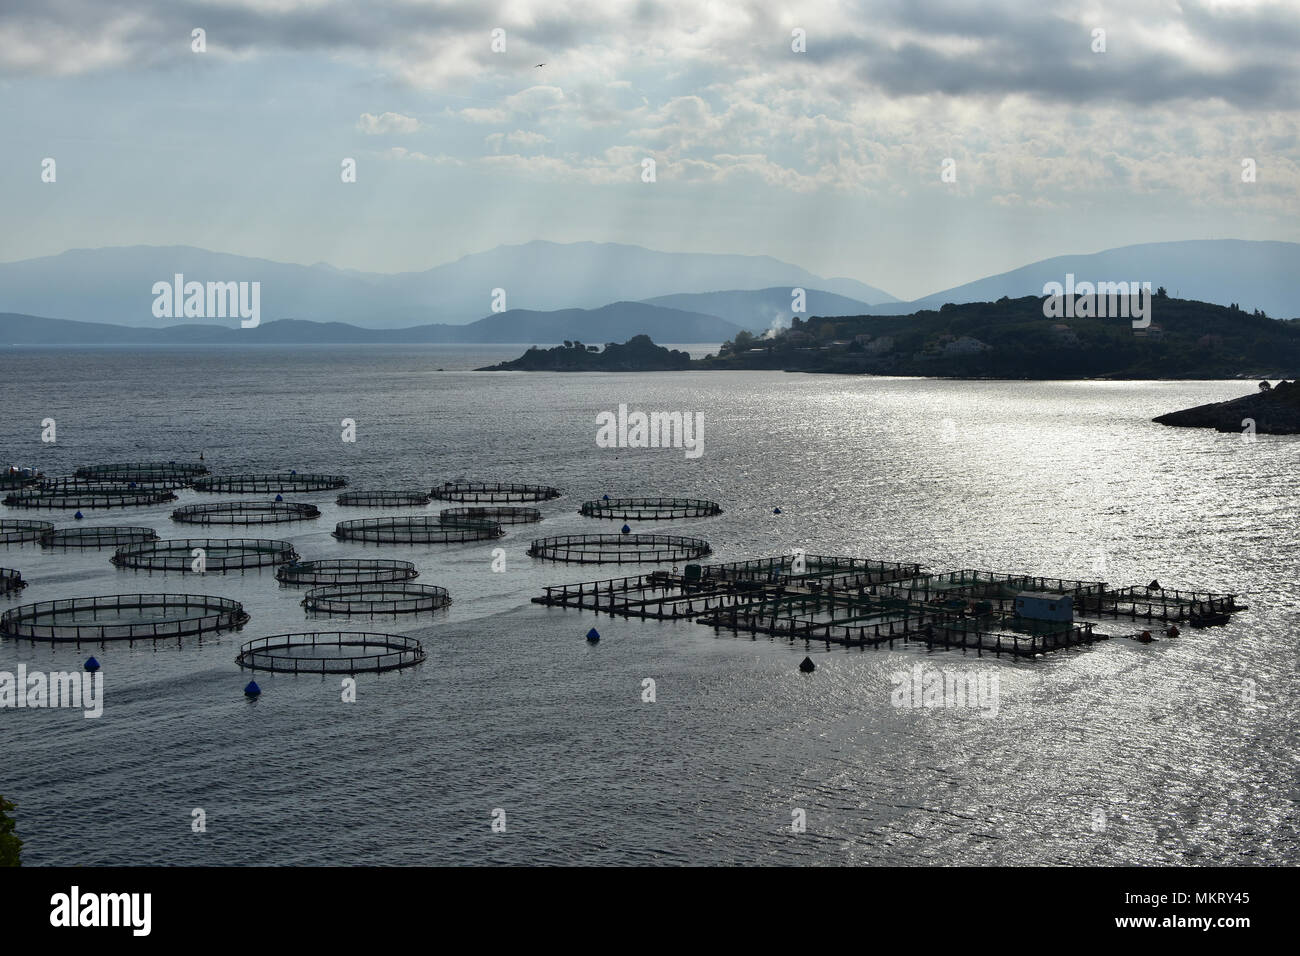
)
(1158, 604)
(851, 620)
(659, 595)
(827, 571)
(993, 586)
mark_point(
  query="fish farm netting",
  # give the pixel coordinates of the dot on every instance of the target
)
(493, 491)
(331, 652)
(11, 580)
(650, 508)
(421, 529)
(619, 548)
(66, 485)
(383, 499)
(501, 514)
(182, 471)
(253, 484)
(13, 480)
(245, 512)
(218, 554)
(346, 571)
(122, 617)
(104, 536)
(98, 496)
(376, 599)
(17, 530)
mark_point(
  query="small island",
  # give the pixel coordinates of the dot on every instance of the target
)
(637, 354)
(1275, 410)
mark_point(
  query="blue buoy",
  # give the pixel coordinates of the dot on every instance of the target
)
(293, 471)
(605, 497)
(78, 516)
(776, 511)
(130, 484)
(252, 690)
(279, 497)
(626, 529)
(91, 664)
(593, 636)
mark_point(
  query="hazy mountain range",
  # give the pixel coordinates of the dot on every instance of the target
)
(595, 292)
(1254, 275)
(616, 322)
(114, 284)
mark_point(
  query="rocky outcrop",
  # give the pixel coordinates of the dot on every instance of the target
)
(1274, 412)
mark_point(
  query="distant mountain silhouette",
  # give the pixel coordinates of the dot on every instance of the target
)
(759, 309)
(1254, 275)
(616, 322)
(114, 284)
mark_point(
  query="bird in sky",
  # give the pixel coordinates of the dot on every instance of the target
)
(539, 65)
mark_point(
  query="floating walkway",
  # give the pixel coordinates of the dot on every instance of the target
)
(855, 602)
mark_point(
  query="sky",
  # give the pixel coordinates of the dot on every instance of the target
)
(832, 157)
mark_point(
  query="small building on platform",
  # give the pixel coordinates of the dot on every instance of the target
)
(1041, 606)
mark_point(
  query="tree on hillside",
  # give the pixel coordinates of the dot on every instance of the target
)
(1265, 387)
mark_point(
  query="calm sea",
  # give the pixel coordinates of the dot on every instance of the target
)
(1175, 752)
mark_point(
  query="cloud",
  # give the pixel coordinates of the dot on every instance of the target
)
(373, 125)
(886, 90)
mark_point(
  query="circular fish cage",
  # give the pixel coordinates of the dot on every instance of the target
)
(122, 617)
(656, 509)
(104, 536)
(331, 652)
(245, 512)
(65, 485)
(97, 495)
(383, 499)
(376, 599)
(11, 580)
(493, 491)
(346, 571)
(17, 530)
(255, 484)
(501, 514)
(219, 554)
(619, 548)
(149, 471)
(19, 478)
(419, 529)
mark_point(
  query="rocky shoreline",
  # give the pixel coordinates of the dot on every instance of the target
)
(1274, 411)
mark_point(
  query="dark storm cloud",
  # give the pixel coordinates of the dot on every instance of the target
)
(1026, 49)
(1244, 55)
